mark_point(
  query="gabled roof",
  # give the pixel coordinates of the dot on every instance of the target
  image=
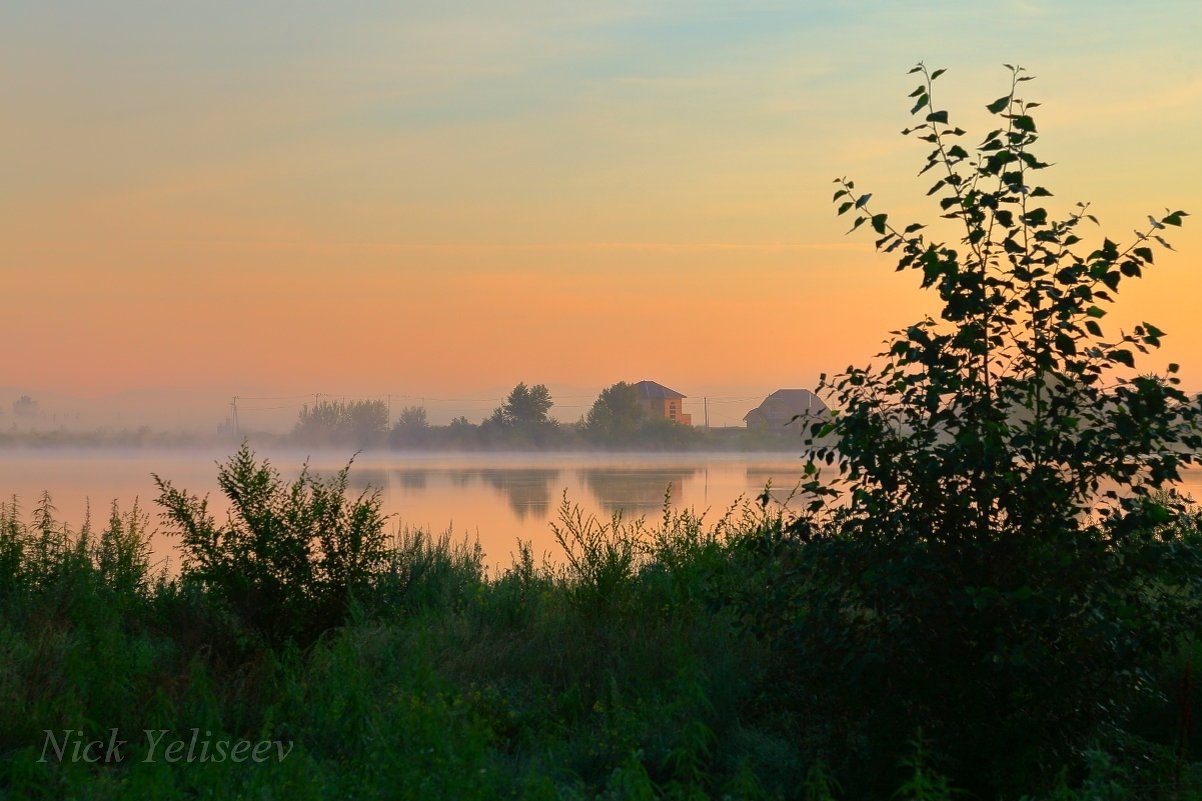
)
(650, 389)
(782, 405)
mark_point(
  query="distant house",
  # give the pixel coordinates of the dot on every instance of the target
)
(783, 408)
(662, 403)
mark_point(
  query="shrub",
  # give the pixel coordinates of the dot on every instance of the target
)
(991, 563)
(291, 557)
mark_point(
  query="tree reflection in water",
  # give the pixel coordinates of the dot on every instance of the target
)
(635, 488)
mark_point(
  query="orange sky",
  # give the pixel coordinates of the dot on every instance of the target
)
(440, 199)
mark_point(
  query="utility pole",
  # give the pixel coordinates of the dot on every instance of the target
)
(707, 413)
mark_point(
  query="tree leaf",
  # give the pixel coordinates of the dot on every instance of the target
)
(1036, 217)
(1122, 357)
(1024, 123)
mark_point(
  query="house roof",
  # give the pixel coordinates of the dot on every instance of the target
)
(784, 404)
(650, 389)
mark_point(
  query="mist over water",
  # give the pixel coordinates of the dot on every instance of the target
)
(497, 499)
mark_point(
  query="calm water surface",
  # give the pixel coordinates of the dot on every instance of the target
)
(497, 499)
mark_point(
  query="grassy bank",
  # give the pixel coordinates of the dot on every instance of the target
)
(657, 660)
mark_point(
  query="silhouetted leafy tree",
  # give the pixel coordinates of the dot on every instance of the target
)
(616, 416)
(412, 428)
(521, 420)
(367, 422)
(526, 406)
(992, 563)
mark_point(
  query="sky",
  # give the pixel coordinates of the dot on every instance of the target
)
(433, 198)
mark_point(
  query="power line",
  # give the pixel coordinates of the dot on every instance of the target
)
(273, 397)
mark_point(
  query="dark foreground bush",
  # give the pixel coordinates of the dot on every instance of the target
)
(291, 557)
(1004, 566)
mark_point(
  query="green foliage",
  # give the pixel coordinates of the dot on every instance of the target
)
(122, 555)
(923, 782)
(521, 421)
(991, 557)
(358, 424)
(423, 572)
(616, 417)
(412, 428)
(820, 784)
(446, 684)
(526, 406)
(601, 557)
(45, 558)
(291, 558)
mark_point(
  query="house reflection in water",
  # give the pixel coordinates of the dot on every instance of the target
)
(635, 488)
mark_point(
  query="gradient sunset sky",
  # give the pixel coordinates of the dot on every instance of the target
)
(430, 198)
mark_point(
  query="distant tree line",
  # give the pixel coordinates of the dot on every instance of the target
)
(617, 420)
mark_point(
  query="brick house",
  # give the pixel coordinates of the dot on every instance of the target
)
(661, 403)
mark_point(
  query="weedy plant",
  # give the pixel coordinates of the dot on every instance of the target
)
(291, 557)
(989, 561)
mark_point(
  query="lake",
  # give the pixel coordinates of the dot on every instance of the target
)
(496, 499)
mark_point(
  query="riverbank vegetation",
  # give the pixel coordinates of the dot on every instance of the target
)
(659, 659)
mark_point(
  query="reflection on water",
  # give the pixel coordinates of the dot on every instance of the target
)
(410, 479)
(636, 489)
(782, 485)
(361, 479)
(528, 489)
(494, 498)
